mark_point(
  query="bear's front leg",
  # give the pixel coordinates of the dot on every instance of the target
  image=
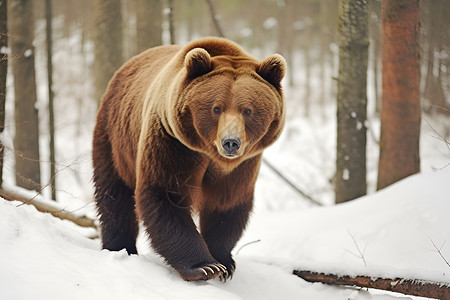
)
(222, 229)
(174, 235)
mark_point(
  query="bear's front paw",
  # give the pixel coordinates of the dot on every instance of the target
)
(204, 272)
(230, 266)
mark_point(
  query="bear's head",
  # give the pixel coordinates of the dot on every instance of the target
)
(231, 106)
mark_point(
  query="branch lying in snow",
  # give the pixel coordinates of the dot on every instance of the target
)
(405, 286)
(298, 190)
(82, 221)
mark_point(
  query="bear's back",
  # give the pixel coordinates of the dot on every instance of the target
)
(122, 105)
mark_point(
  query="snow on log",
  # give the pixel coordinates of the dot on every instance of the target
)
(41, 206)
(413, 287)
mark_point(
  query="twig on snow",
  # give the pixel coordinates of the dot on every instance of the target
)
(438, 250)
(361, 253)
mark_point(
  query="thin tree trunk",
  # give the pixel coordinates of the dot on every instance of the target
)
(375, 35)
(148, 23)
(215, 18)
(3, 73)
(308, 66)
(400, 111)
(26, 140)
(108, 38)
(350, 176)
(171, 22)
(433, 90)
(48, 17)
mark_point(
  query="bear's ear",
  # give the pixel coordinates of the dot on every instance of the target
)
(272, 69)
(197, 62)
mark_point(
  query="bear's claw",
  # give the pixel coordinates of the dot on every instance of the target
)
(206, 272)
(219, 268)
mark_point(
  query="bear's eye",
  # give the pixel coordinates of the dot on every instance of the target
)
(247, 112)
(216, 110)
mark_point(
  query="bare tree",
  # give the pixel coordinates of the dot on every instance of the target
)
(48, 17)
(352, 100)
(400, 109)
(171, 22)
(26, 140)
(3, 73)
(437, 12)
(108, 38)
(148, 24)
(215, 18)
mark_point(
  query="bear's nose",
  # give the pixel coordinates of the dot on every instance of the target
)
(231, 144)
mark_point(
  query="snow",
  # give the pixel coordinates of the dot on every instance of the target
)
(395, 232)
(346, 174)
(28, 52)
(46, 258)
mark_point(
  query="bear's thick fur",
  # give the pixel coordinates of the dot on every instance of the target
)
(182, 129)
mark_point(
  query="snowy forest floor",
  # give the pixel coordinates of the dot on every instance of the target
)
(42, 257)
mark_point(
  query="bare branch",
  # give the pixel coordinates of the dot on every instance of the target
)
(245, 245)
(215, 18)
(438, 250)
(361, 253)
(82, 221)
(413, 287)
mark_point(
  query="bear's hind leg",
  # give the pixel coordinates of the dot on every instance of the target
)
(115, 205)
(114, 199)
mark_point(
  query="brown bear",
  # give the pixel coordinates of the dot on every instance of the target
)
(182, 130)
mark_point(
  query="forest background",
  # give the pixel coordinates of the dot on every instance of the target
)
(305, 32)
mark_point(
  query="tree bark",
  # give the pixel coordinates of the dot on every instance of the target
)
(400, 111)
(26, 140)
(433, 90)
(3, 73)
(171, 22)
(48, 17)
(148, 23)
(350, 179)
(399, 285)
(215, 18)
(374, 7)
(108, 38)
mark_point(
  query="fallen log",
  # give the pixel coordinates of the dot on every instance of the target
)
(419, 288)
(41, 206)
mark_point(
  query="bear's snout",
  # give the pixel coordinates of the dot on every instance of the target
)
(231, 144)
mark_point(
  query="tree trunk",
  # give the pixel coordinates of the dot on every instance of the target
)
(433, 90)
(3, 73)
(400, 110)
(351, 101)
(307, 50)
(26, 140)
(375, 36)
(171, 22)
(215, 18)
(48, 17)
(148, 23)
(108, 38)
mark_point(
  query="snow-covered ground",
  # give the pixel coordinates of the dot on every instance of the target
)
(388, 234)
(392, 233)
